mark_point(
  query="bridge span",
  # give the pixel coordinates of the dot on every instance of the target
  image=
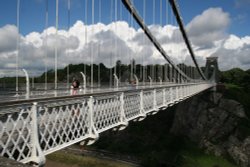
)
(34, 124)
(31, 129)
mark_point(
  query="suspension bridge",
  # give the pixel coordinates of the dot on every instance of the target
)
(37, 119)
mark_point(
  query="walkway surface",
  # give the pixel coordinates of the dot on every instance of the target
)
(40, 94)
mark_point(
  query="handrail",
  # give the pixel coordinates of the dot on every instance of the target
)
(69, 97)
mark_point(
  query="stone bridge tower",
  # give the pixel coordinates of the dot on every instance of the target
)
(212, 69)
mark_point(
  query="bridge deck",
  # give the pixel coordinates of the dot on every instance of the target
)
(64, 93)
(32, 128)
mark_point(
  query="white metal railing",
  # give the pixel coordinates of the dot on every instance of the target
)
(31, 130)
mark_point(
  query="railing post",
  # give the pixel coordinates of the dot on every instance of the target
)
(116, 81)
(150, 81)
(185, 92)
(167, 96)
(124, 122)
(141, 101)
(83, 81)
(122, 104)
(92, 132)
(37, 155)
(171, 95)
(190, 90)
(155, 102)
(177, 92)
(194, 89)
(27, 96)
(164, 96)
(142, 113)
(91, 119)
(182, 92)
(160, 80)
(136, 80)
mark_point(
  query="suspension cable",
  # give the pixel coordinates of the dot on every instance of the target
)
(167, 65)
(99, 46)
(92, 44)
(115, 57)
(86, 32)
(152, 67)
(46, 46)
(68, 42)
(130, 58)
(120, 47)
(144, 43)
(133, 62)
(57, 3)
(17, 43)
(184, 34)
(139, 20)
(111, 55)
(160, 66)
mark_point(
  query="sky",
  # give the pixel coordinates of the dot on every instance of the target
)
(215, 28)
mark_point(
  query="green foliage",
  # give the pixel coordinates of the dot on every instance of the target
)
(238, 77)
(237, 84)
(83, 161)
(122, 71)
(240, 94)
(12, 79)
(192, 159)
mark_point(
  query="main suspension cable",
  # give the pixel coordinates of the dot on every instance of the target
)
(185, 37)
(139, 20)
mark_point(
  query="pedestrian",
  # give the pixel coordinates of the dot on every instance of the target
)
(75, 86)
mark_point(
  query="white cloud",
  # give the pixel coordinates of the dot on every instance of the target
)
(208, 27)
(8, 36)
(208, 33)
(35, 39)
(119, 41)
(233, 42)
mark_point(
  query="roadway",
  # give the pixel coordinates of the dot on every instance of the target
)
(44, 94)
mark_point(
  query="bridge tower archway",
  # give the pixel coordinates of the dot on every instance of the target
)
(212, 69)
